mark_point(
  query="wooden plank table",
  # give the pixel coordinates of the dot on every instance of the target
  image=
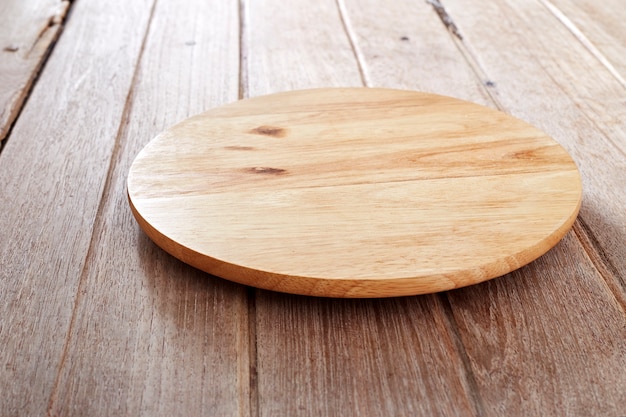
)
(97, 320)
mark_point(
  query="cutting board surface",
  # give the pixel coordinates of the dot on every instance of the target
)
(354, 192)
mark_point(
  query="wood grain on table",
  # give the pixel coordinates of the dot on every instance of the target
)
(354, 192)
(96, 320)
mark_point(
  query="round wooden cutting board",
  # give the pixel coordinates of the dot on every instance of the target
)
(354, 192)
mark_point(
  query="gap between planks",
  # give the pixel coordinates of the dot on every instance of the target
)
(358, 56)
(243, 47)
(487, 85)
(251, 294)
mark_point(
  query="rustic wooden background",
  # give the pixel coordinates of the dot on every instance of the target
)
(96, 320)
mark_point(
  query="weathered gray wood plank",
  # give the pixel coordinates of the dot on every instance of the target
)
(52, 173)
(599, 26)
(549, 339)
(152, 336)
(28, 28)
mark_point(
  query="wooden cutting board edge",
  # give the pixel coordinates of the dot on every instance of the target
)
(353, 288)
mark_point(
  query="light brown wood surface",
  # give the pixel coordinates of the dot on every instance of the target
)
(355, 192)
(95, 319)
